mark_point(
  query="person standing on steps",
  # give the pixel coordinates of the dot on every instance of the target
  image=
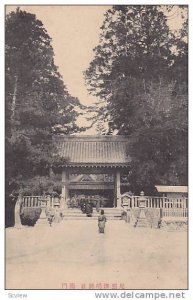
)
(101, 222)
(89, 209)
(98, 205)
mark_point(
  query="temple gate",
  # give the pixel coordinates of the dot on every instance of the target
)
(94, 168)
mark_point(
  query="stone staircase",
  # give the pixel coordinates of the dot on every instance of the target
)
(76, 214)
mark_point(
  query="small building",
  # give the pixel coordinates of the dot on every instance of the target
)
(94, 167)
(173, 191)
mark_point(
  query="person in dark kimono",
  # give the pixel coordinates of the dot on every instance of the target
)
(83, 206)
(101, 222)
(89, 209)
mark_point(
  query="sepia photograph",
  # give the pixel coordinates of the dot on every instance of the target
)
(96, 147)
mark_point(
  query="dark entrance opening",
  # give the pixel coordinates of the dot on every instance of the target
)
(106, 197)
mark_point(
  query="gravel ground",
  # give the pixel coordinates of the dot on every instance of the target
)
(73, 255)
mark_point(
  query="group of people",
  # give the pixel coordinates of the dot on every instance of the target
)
(87, 208)
(77, 201)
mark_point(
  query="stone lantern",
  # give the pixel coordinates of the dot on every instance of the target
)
(142, 204)
(43, 204)
(142, 201)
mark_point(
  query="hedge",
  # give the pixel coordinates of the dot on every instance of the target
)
(30, 215)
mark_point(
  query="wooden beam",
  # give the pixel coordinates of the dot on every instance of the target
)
(90, 170)
(118, 188)
(91, 186)
(65, 190)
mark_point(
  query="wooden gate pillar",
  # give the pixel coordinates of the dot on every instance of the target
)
(118, 189)
(65, 190)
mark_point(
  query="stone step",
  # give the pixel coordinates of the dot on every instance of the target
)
(89, 218)
(75, 213)
(104, 208)
(93, 215)
(94, 212)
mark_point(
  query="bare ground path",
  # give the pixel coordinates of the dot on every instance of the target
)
(73, 252)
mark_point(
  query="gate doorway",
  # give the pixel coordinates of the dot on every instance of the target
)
(104, 197)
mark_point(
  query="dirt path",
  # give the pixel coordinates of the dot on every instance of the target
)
(73, 254)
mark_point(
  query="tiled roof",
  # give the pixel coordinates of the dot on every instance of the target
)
(94, 150)
(172, 188)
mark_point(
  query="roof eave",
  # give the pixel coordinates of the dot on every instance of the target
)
(97, 165)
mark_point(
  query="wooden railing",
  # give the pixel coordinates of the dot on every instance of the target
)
(158, 202)
(31, 201)
(170, 207)
(35, 201)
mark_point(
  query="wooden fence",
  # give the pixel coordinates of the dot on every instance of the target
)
(159, 202)
(175, 212)
(170, 207)
(31, 201)
(35, 201)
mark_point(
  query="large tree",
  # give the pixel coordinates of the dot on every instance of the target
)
(37, 103)
(139, 74)
(134, 48)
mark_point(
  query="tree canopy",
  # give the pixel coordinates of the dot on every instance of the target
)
(37, 103)
(139, 74)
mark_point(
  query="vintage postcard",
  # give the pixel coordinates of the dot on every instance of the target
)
(96, 149)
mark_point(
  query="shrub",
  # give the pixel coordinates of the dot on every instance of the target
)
(30, 215)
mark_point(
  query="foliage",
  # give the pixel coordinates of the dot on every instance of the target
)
(37, 103)
(32, 77)
(134, 47)
(37, 107)
(30, 215)
(140, 74)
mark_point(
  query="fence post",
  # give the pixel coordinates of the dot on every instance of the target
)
(17, 212)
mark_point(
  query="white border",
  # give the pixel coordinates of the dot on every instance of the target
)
(50, 294)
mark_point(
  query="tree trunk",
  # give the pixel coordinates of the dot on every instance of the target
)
(13, 105)
(17, 212)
